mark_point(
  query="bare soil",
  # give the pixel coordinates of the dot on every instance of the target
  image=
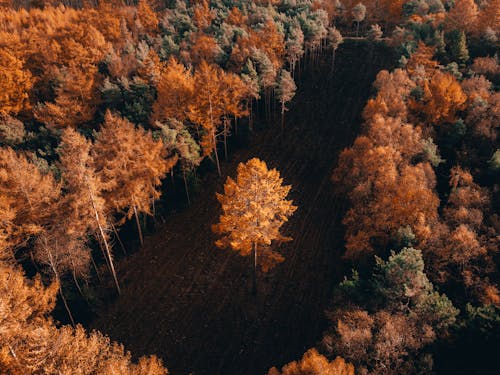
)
(191, 304)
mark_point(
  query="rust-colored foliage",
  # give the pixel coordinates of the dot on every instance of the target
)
(147, 17)
(31, 342)
(202, 15)
(489, 16)
(254, 209)
(462, 16)
(28, 198)
(442, 98)
(15, 83)
(313, 363)
(421, 59)
(130, 165)
(175, 92)
(217, 94)
(393, 90)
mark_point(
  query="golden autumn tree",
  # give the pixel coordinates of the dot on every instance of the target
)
(147, 17)
(83, 199)
(422, 58)
(217, 95)
(489, 16)
(462, 16)
(15, 83)
(442, 98)
(254, 209)
(313, 363)
(130, 164)
(31, 342)
(175, 92)
(386, 194)
(28, 198)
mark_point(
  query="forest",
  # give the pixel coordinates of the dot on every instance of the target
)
(295, 187)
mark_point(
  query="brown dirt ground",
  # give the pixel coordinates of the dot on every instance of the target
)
(190, 302)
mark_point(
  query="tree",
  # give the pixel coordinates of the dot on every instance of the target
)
(130, 164)
(217, 95)
(458, 47)
(83, 201)
(29, 197)
(15, 83)
(254, 209)
(375, 33)
(442, 99)
(359, 14)
(294, 47)
(389, 317)
(285, 92)
(313, 363)
(335, 39)
(422, 57)
(489, 16)
(175, 92)
(462, 16)
(32, 343)
(147, 17)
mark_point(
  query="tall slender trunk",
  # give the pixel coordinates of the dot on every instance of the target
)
(66, 305)
(119, 239)
(73, 273)
(254, 283)
(213, 135)
(137, 221)
(282, 119)
(186, 186)
(95, 267)
(333, 59)
(103, 236)
(225, 138)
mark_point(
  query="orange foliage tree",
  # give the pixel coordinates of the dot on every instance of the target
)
(462, 16)
(83, 201)
(29, 198)
(15, 83)
(313, 363)
(147, 17)
(217, 95)
(32, 343)
(175, 92)
(254, 209)
(442, 98)
(130, 164)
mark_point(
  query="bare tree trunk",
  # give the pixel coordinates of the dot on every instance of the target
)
(282, 119)
(254, 284)
(108, 252)
(225, 138)
(213, 135)
(186, 186)
(95, 267)
(119, 239)
(141, 239)
(103, 236)
(333, 59)
(66, 305)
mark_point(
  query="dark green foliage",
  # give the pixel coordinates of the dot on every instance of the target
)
(133, 99)
(457, 47)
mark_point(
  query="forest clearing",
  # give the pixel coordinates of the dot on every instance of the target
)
(280, 187)
(191, 303)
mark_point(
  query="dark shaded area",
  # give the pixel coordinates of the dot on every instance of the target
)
(191, 303)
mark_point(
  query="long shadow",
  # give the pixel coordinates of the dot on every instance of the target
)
(191, 303)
